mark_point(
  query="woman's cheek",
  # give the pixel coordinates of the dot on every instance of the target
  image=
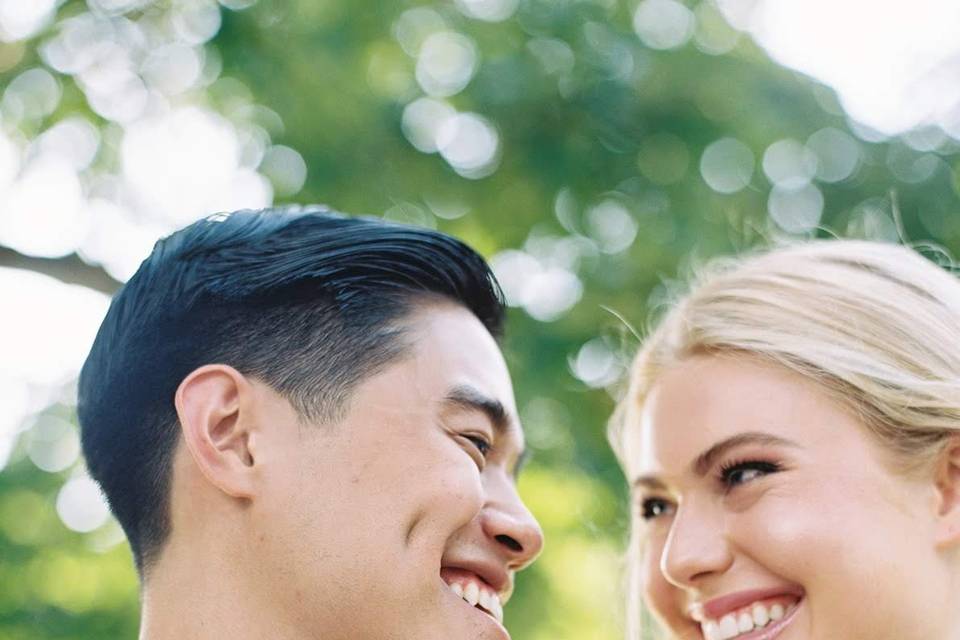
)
(662, 598)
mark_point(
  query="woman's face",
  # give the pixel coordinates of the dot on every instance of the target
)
(768, 512)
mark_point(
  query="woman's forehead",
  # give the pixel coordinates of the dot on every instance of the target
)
(708, 400)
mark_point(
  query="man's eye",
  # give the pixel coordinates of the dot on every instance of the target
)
(482, 444)
(738, 473)
(654, 508)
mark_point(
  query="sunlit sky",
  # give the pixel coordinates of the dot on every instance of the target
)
(894, 64)
(887, 61)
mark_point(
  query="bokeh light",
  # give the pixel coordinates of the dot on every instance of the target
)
(15, 400)
(727, 165)
(44, 213)
(20, 20)
(545, 291)
(81, 506)
(422, 120)
(909, 168)
(285, 168)
(470, 144)
(556, 56)
(612, 226)
(546, 424)
(488, 10)
(34, 94)
(713, 34)
(74, 139)
(446, 62)
(54, 444)
(47, 345)
(663, 24)
(796, 210)
(180, 187)
(789, 164)
(414, 26)
(596, 364)
(838, 154)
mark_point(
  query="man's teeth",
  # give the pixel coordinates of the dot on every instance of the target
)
(472, 594)
(475, 595)
(735, 624)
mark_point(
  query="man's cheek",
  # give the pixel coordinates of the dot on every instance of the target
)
(447, 503)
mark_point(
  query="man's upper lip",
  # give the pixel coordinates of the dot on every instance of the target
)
(491, 573)
(716, 608)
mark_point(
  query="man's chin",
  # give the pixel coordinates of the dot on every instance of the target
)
(471, 621)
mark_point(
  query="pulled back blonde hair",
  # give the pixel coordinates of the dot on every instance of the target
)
(876, 325)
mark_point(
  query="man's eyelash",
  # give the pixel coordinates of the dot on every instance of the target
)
(481, 443)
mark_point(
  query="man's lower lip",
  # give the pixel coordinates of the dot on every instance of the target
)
(774, 629)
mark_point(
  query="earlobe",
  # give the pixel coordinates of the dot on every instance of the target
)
(211, 405)
(948, 494)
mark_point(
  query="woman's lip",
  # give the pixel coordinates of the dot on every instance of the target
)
(718, 607)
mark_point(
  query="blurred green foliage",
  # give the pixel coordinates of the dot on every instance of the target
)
(586, 115)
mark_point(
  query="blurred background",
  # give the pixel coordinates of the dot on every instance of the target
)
(593, 150)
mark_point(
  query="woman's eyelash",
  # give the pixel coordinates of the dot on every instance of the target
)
(730, 474)
(737, 472)
(651, 508)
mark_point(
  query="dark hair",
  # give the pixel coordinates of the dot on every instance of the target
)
(306, 300)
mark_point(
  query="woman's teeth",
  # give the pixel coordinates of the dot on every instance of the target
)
(475, 595)
(753, 617)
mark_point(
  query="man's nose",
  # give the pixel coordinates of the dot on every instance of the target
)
(696, 547)
(509, 524)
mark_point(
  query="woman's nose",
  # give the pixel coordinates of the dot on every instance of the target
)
(696, 547)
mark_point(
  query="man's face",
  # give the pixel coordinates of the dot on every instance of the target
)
(371, 527)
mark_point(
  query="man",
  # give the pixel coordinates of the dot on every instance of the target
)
(305, 427)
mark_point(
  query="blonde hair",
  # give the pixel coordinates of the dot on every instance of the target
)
(876, 325)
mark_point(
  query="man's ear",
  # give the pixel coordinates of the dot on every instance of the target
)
(948, 494)
(213, 406)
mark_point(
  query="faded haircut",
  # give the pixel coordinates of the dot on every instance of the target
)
(306, 300)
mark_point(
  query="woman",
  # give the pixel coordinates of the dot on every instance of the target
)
(791, 434)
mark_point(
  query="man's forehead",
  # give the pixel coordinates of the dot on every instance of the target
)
(451, 346)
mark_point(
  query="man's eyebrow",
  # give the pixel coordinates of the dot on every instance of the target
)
(705, 461)
(472, 399)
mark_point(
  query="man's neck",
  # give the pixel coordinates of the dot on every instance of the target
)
(200, 599)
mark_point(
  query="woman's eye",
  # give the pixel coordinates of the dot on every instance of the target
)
(743, 472)
(654, 508)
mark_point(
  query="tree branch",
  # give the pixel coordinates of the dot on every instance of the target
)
(69, 269)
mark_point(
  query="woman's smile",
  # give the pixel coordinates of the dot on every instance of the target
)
(766, 511)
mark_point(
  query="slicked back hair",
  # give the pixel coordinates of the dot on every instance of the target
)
(306, 300)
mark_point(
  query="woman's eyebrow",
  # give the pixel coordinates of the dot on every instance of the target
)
(705, 461)
(653, 483)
